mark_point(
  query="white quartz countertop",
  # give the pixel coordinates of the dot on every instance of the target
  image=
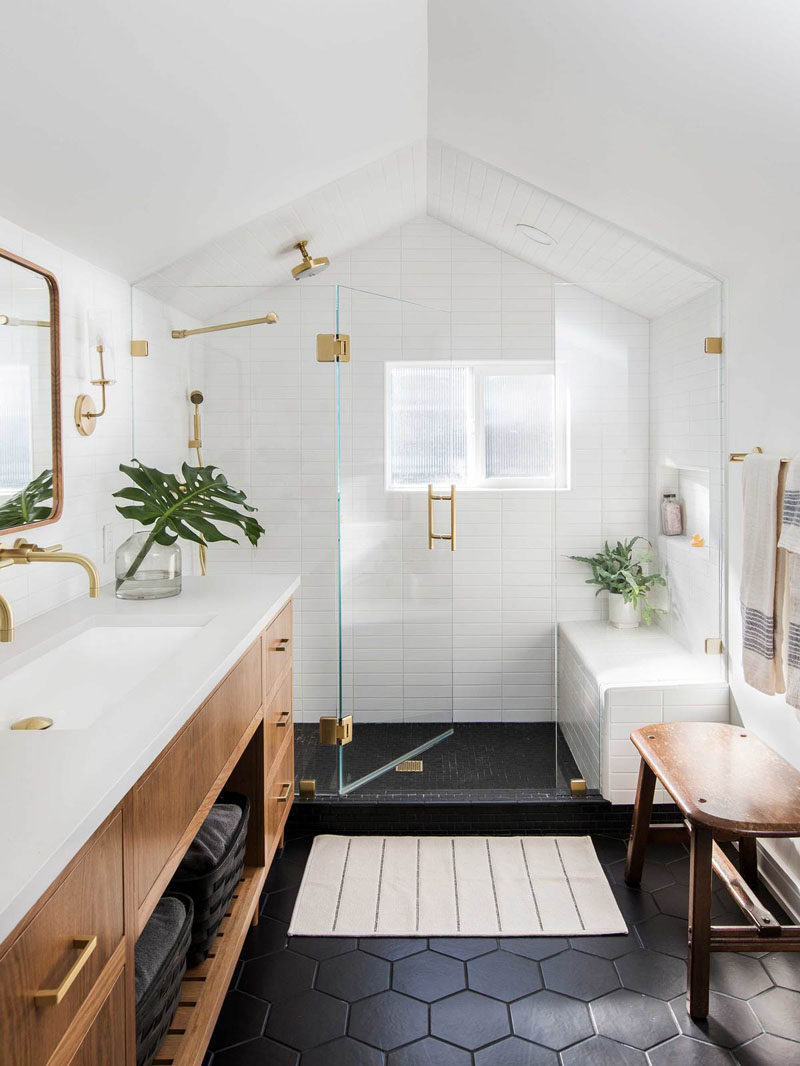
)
(57, 786)
(643, 656)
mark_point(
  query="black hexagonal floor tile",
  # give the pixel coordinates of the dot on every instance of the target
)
(428, 976)
(632, 1018)
(730, 1021)
(504, 975)
(388, 1020)
(551, 1019)
(515, 1052)
(778, 1010)
(738, 975)
(683, 1051)
(353, 976)
(768, 1050)
(322, 947)
(578, 974)
(469, 1020)
(279, 905)
(606, 947)
(654, 874)
(282, 875)
(392, 948)
(257, 1053)
(674, 900)
(242, 1018)
(600, 1051)
(264, 938)
(609, 849)
(281, 975)
(784, 968)
(463, 947)
(342, 1052)
(636, 904)
(664, 933)
(661, 976)
(534, 947)
(310, 1019)
(430, 1052)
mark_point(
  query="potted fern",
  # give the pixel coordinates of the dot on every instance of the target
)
(621, 574)
(148, 564)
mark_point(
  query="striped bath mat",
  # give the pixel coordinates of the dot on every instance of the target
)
(454, 886)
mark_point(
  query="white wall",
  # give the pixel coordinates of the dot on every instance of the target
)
(91, 463)
(427, 635)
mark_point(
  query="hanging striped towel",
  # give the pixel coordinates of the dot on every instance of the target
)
(790, 542)
(760, 520)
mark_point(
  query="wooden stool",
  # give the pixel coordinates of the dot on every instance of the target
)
(729, 786)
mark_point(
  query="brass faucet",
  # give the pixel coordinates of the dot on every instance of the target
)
(24, 552)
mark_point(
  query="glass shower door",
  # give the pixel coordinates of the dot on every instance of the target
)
(400, 428)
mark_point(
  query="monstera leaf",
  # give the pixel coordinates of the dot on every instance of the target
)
(33, 504)
(190, 509)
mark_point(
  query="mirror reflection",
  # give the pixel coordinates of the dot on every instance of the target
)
(28, 367)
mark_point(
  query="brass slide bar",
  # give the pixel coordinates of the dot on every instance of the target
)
(270, 318)
(8, 320)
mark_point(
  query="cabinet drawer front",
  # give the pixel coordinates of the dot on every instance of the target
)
(43, 958)
(104, 1044)
(278, 720)
(168, 798)
(279, 647)
(280, 796)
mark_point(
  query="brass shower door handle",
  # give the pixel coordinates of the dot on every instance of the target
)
(451, 536)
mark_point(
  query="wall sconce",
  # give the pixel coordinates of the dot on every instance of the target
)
(86, 413)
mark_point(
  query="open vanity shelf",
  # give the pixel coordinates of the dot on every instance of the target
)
(241, 736)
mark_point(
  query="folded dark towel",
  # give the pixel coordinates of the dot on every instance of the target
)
(212, 839)
(157, 941)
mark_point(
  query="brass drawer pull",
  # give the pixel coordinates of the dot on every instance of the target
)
(285, 797)
(283, 719)
(281, 645)
(51, 997)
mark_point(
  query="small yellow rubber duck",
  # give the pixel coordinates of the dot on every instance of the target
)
(697, 541)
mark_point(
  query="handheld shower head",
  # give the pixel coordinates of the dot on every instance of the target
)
(196, 397)
(309, 267)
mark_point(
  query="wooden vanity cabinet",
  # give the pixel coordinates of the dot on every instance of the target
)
(82, 932)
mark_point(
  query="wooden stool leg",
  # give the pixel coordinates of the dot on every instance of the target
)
(748, 860)
(640, 827)
(702, 842)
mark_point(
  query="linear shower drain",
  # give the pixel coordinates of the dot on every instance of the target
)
(410, 766)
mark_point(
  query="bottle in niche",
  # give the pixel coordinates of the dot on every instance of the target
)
(671, 515)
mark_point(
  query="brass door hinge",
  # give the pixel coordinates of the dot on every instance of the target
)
(333, 347)
(714, 646)
(333, 731)
(577, 786)
(308, 788)
(713, 346)
(139, 348)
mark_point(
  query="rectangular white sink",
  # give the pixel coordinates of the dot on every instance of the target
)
(79, 680)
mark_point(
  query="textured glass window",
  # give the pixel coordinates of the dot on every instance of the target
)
(16, 460)
(519, 425)
(427, 424)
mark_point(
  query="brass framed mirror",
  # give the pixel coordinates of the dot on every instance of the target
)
(31, 465)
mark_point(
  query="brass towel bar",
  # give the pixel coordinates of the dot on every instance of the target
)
(739, 457)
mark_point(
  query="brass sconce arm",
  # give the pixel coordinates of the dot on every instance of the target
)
(86, 414)
(6, 621)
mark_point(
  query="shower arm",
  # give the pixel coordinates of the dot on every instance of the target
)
(270, 318)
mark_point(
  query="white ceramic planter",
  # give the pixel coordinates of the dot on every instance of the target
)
(622, 615)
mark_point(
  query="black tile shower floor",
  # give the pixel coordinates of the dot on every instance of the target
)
(487, 760)
(516, 1001)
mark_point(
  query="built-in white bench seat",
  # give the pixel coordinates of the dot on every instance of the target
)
(611, 681)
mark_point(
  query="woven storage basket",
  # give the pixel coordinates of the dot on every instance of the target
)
(211, 892)
(159, 1001)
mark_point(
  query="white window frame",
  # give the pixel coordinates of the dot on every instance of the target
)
(477, 479)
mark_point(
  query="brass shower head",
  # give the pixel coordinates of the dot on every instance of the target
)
(309, 267)
(196, 397)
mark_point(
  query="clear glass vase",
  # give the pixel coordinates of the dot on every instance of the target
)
(147, 571)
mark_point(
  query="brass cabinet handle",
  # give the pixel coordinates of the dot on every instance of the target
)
(451, 536)
(283, 719)
(51, 997)
(281, 645)
(285, 797)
